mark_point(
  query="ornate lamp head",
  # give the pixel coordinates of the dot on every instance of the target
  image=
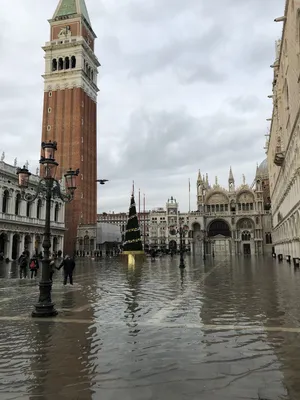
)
(47, 161)
(70, 178)
(49, 149)
(23, 175)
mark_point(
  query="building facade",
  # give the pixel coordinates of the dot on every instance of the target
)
(227, 221)
(70, 108)
(284, 140)
(22, 224)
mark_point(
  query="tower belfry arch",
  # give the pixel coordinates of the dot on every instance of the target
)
(70, 108)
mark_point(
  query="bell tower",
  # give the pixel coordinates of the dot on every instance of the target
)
(70, 108)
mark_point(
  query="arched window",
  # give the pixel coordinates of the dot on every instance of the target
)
(56, 211)
(5, 201)
(38, 209)
(67, 63)
(54, 64)
(86, 243)
(246, 236)
(17, 204)
(73, 62)
(60, 64)
(28, 209)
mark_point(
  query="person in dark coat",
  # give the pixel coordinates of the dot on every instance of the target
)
(23, 264)
(69, 264)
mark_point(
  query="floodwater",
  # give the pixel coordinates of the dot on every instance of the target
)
(228, 329)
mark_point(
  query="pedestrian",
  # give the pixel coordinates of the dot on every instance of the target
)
(23, 263)
(34, 266)
(69, 264)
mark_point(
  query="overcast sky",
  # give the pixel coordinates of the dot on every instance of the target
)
(184, 85)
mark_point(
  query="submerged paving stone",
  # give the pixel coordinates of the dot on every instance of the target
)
(226, 329)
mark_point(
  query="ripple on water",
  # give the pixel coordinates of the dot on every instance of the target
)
(154, 333)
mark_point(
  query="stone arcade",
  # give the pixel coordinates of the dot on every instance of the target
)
(21, 223)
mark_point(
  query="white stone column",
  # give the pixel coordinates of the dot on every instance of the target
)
(8, 250)
(61, 243)
(11, 202)
(23, 206)
(31, 244)
(21, 245)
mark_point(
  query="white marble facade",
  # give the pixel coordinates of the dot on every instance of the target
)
(21, 223)
(227, 221)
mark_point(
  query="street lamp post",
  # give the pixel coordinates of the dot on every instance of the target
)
(48, 188)
(181, 236)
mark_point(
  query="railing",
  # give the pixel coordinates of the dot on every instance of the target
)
(28, 220)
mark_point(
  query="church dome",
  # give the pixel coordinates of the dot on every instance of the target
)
(262, 170)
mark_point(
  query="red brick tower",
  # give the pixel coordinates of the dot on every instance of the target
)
(70, 108)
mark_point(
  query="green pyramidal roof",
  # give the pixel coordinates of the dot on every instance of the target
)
(70, 7)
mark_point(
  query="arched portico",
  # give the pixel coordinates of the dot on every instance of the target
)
(245, 236)
(16, 247)
(196, 235)
(219, 237)
(172, 245)
(3, 244)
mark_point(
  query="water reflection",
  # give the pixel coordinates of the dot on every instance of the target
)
(218, 330)
(134, 278)
(63, 363)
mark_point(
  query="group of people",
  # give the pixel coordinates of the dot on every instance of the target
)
(25, 262)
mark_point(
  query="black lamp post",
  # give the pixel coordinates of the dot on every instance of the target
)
(181, 232)
(48, 188)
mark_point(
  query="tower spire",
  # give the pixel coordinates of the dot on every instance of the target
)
(71, 9)
(230, 180)
(199, 176)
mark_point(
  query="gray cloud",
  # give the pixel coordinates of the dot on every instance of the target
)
(245, 104)
(184, 85)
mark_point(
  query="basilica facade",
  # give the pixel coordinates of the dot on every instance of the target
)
(233, 220)
(22, 223)
(228, 221)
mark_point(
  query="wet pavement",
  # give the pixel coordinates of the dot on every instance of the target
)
(228, 329)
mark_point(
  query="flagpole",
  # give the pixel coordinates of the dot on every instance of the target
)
(139, 205)
(189, 195)
(144, 221)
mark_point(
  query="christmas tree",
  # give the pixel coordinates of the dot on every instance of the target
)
(133, 242)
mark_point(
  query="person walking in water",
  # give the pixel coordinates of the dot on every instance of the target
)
(33, 266)
(69, 264)
(23, 263)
